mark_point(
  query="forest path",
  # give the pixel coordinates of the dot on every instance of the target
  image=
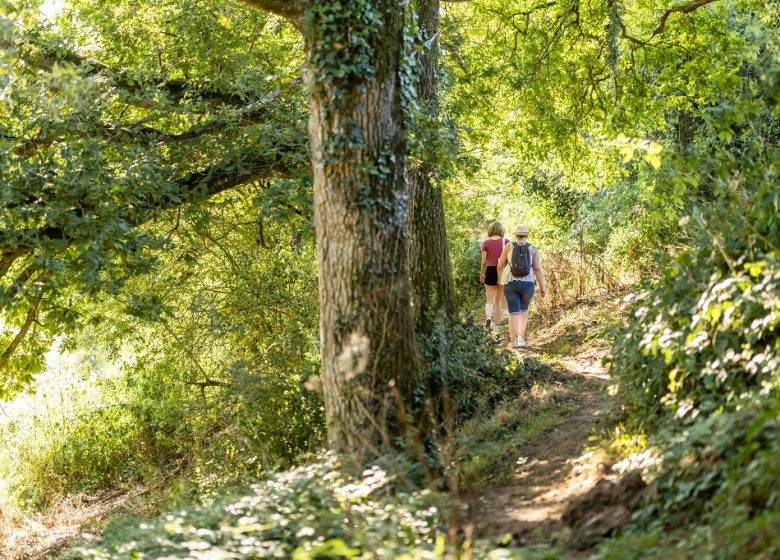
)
(46, 535)
(555, 466)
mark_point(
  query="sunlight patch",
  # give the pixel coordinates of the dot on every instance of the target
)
(51, 8)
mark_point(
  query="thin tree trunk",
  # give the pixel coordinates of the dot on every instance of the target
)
(430, 270)
(358, 140)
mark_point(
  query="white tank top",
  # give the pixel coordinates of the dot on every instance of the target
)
(508, 276)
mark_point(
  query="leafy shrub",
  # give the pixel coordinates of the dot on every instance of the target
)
(203, 384)
(463, 364)
(706, 334)
(700, 363)
(729, 458)
(717, 495)
(314, 511)
(106, 428)
(626, 218)
(466, 255)
(701, 345)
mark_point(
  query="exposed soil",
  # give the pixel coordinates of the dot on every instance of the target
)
(554, 467)
(44, 536)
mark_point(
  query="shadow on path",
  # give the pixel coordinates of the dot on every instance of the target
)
(553, 467)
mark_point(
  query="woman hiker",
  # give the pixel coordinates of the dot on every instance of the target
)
(520, 262)
(488, 275)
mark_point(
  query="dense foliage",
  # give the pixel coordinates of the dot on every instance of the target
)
(699, 365)
(156, 226)
(105, 125)
(298, 514)
(213, 389)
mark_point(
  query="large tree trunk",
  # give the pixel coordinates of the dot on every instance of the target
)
(355, 78)
(358, 140)
(429, 261)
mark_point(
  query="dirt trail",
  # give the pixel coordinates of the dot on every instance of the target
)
(44, 536)
(554, 466)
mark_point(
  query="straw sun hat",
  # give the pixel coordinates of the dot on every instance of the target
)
(522, 230)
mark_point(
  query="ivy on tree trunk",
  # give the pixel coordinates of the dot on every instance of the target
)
(358, 88)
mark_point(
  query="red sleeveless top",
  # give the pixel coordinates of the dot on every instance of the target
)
(493, 248)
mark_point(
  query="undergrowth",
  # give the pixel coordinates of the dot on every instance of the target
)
(98, 426)
(699, 364)
(488, 445)
(313, 511)
(318, 511)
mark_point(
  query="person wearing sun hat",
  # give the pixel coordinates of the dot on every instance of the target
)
(519, 265)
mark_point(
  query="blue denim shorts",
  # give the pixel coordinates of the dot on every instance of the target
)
(518, 294)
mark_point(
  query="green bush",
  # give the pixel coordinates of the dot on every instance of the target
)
(202, 391)
(466, 256)
(464, 364)
(699, 364)
(717, 495)
(705, 336)
(314, 511)
(144, 425)
(702, 343)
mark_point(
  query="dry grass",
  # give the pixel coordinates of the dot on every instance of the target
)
(45, 535)
(572, 278)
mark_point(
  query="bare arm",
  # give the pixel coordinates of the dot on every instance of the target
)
(502, 260)
(483, 267)
(537, 266)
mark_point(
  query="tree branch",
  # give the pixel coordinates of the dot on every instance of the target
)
(207, 383)
(682, 9)
(454, 51)
(249, 115)
(624, 34)
(292, 10)
(9, 257)
(192, 187)
(661, 27)
(175, 89)
(20, 281)
(32, 314)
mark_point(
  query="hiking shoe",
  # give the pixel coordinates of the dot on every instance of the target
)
(487, 324)
(520, 341)
(516, 342)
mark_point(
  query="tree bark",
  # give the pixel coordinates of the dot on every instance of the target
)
(430, 270)
(355, 80)
(358, 140)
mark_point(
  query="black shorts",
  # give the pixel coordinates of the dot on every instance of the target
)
(491, 276)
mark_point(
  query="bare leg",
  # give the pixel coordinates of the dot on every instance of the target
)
(514, 325)
(497, 304)
(522, 323)
(490, 298)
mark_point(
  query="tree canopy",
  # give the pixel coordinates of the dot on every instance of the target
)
(253, 228)
(103, 135)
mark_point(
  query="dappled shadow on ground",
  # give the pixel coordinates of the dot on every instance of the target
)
(551, 470)
(555, 466)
